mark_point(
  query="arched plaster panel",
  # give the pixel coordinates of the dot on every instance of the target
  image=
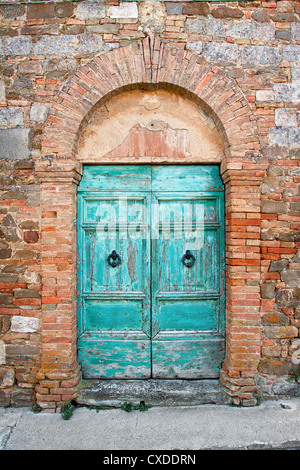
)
(150, 125)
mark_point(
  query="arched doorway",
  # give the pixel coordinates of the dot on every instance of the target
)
(151, 240)
(152, 65)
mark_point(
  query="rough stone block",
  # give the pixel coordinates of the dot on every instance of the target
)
(262, 15)
(26, 294)
(284, 17)
(31, 67)
(274, 170)
(279, 265)
(4, 277)
(274, 207)
(265, 95)
(227, 12)
(252, 30)
(291, 52)
(90, 43)
(291, 278)
(281, 332)
(2, 90)
(240, 29)
(194, 46)
(5, 396)
(123, 10)
(11, 117)
(5, 299)
(286, 117)
(263, 31)
(217, 52)
(274, 366)
(2, 352)
(267, 291)
(90, 9)
(295, 31)
(7, 377)
(174, 8)
(31, 236)
(64, 9)
(267, 234)
(277, 318)
(22, 324)
(209, 26)
(39, 112)
(278, 136)
(52, 45)
(22, 397)
(287, 92)
(42, 10)
(260, 55)
(29, 225)
(284, 34)
(271, 351)
(12, 11)
(21, 354)
(295, 72)
(106, 28)
(15, 143)
(294, 137)
(27, 254)
(18, 45)
(196, 8)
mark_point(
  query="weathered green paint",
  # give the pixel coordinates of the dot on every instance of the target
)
(151, 316)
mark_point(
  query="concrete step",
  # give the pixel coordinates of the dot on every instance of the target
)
(152, 392)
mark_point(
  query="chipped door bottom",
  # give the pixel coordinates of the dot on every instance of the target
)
(114, 358)
(187, 358)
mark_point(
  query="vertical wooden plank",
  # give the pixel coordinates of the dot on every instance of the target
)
(187, 302)
(114, 339)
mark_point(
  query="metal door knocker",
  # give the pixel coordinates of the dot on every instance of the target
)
(114, 259)
(188, 259)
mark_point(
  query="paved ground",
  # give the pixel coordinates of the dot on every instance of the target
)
(271, 425)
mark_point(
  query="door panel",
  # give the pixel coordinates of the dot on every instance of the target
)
(160, 311)
(187, 358)
(114, 300)
(113, 358)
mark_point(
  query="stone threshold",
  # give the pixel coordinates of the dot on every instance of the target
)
(153, 392)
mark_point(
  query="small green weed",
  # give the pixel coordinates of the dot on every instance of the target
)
(67, 410)
(143, 407)
(295, 375)
(128, 407)
(36, 408)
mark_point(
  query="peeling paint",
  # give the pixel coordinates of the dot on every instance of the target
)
(151, 315)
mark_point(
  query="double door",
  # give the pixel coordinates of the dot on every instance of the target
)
(151, 272)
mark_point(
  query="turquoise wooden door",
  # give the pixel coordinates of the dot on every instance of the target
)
(151, 272)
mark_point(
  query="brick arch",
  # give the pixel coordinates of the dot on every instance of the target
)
(149, 64)
(152, 64)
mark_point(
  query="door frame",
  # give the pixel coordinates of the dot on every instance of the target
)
(215, 336)
(59, 170)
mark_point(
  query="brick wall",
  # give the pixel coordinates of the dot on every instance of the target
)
(47, 85)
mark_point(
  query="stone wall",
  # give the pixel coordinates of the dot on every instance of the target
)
(42, 47)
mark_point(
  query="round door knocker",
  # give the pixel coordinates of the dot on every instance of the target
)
(188, 259)
(114, 259)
